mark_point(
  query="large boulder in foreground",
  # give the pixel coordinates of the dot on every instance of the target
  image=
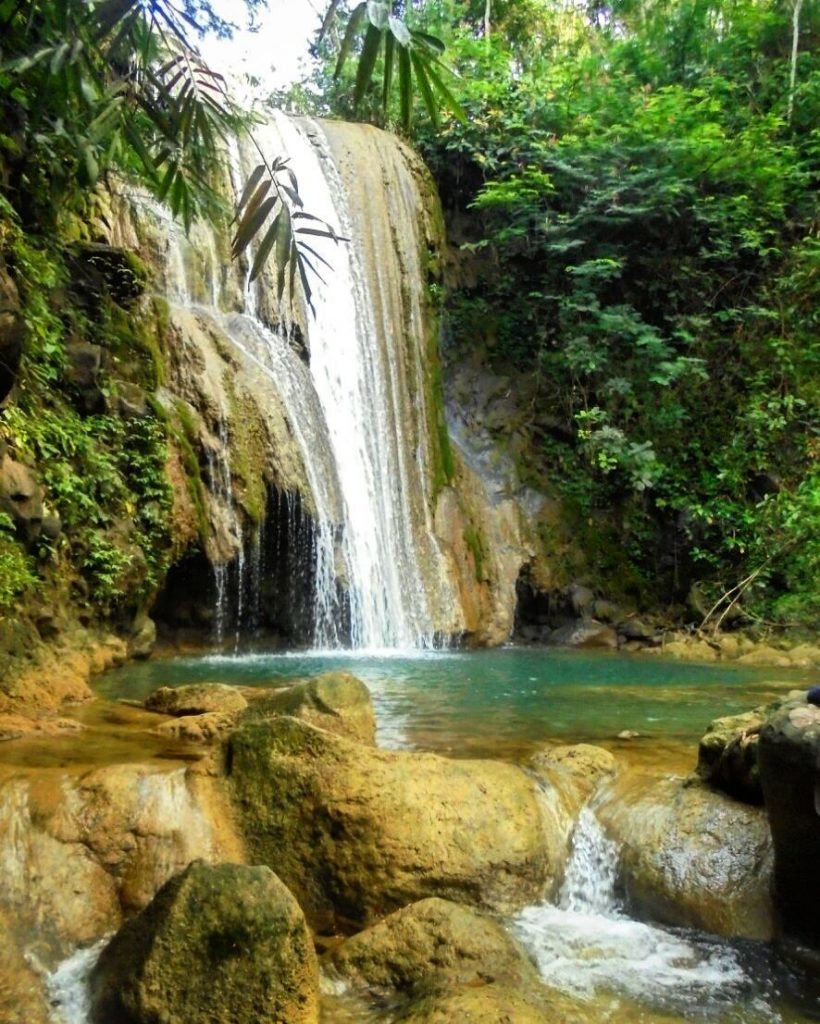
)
(219, 944)
(358, 832)
(727, 755)
(335, 701)
(429, 939)
(690, 856)
(789, 756)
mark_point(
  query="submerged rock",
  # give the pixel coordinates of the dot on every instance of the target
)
(336, 701)
(790, 776)
(219, 944)
(196, 699)
(690, 856)
(358, 832)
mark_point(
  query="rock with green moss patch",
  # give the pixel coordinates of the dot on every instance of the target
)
(336, 701)
(196, 699)
(219, 944)
(356, 832)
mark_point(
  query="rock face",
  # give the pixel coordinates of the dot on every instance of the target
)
(21, 497)
(426, 939)
(219, 944)
(336, 701)
(22, 1000)
(75, 853)
(358, 832)
(690, 856)
(790, 776)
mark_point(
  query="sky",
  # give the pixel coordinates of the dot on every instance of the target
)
(275, 51)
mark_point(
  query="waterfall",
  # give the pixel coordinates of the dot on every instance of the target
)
(585, 943)
(367, 363)
(359, 410)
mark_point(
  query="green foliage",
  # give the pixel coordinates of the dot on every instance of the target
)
(17, 575)
(641, 219)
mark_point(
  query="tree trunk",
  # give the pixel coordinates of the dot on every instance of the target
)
(798, 4)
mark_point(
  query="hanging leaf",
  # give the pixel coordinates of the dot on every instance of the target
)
(367, 62)
(352, 30)
(378, 14)
(405, 88)
(400, 32)
(425, 87)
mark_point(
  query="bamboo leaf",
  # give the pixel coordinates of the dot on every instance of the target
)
(425, 88)
(352, 30)
(450, 101)
(250, 226)
(378, 14)
(250, 185)
(432, 43)
(399, 31)
(405, 86)
(367, 61)
(389, 63)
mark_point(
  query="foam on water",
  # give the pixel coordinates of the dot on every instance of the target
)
(68, 986)
(586, 946)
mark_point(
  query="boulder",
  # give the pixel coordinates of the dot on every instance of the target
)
(22, 993)
(336, 701)
(727, 754)
(358, 832)
(789, 755)
(143, 638)
(766, 657)
(580, 598)
(21, 498)
(585, 765)
(484, 1004)
(690, 856)
(82, 372)
(429, 939)
(584, 633)
(196, 699)
(218, 944)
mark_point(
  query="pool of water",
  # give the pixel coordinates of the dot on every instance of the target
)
(505, 702)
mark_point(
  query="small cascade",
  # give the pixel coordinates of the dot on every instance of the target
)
(68, 986)
(586, 945)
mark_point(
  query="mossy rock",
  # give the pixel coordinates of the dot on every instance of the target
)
(219, 944)
(336, 701)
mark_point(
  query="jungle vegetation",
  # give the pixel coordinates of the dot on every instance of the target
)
(632, 187)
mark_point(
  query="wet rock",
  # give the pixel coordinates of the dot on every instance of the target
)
(586, 766)
(77, 852)
(687, 650)
(727, 753)
(82, 372)
(765, 656)
(196, 699)
(635, 629)
(690, 856)
(336, 701)
(358, 832)
(21, 498)
(205, 728)
(219, 944)
(585, 633)
(486, 1004)
(22, 993)
(431, 938)
(789, 754)
(143, 638)
(580, 598)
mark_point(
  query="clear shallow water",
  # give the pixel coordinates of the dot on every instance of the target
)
(506, 702)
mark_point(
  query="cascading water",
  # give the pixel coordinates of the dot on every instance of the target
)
(586, 945)
(367, 351)
(359, 410)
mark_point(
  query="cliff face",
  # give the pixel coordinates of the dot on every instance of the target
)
(176, 447)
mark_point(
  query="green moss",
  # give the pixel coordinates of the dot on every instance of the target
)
(248, 458)
(185, 435)
(475, 543)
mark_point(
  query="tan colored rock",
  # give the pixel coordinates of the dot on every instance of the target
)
(205, 728)
(584, 633)
(727, 753)
(586, 765)
(766, 657)
(197, 699)
(687, 650)
(77, 852)
(219, 944)
(358, 832)
(690, 856)
(804, 656)
(22, 991)
(14, 727)
(485, 1004)
(336, 701)
(431, 938)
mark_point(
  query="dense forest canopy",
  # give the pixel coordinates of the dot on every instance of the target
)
(632, 188)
